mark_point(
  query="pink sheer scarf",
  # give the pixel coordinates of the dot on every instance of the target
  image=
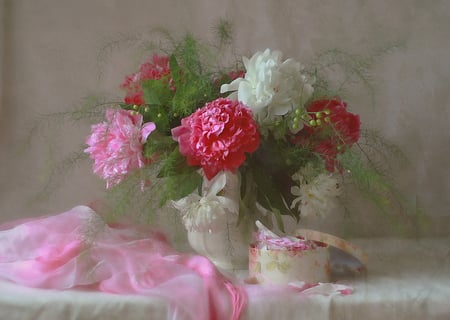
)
(75, 249)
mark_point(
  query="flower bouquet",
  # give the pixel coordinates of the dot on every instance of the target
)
(259, 139)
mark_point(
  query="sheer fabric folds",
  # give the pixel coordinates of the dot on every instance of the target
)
(77, 250)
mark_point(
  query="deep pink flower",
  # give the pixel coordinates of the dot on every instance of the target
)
(236, 74)
(346, 124)
(328, 151)
(156, 68)
(217, 136)
(232, 75)
(333, 136)
(116, 145)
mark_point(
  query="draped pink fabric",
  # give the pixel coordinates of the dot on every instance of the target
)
(75, 249)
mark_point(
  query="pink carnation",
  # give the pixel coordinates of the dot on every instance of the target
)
(155, 69)
(116, 145)
(217, 136)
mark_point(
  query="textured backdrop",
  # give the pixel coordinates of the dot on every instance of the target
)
(49, 61)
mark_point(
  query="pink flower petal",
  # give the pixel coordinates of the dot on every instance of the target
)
(148, 128)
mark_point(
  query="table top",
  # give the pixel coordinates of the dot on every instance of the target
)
(406, 279)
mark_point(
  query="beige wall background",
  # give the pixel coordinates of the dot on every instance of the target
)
(49, 62)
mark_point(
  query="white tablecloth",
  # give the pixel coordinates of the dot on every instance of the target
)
(406, 279)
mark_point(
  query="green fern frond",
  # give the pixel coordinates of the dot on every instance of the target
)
(57, 172)
(347, 69)
(223, 32)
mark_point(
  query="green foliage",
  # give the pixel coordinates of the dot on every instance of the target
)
(160, 146)
(175, 164)
(367, 168)
(179, 179)
(335, 71)
(193, 82)
(267, 183)
(223, 31)
(179, 186)
(122, 199)
(351, 68)
(367, 178)
(157, 92)
(53, 179)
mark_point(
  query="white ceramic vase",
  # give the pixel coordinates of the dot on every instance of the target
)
(227, 245)
(227, 249)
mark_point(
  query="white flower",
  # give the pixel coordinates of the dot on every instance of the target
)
(208, 212)
(271, 87)
(317, 196)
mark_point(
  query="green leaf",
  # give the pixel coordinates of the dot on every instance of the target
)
(160, 116)
(269, 191)
(175, 70)
(278, 218)
(159, 144)
(180, 186)
(152, 90)
(158, 92)
(191, 94)
(175, 164)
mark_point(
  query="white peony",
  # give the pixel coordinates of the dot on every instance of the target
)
(317, 196)
(271, 87)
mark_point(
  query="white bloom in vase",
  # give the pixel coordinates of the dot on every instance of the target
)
(271, 87)
(210, 211)
(317, 196)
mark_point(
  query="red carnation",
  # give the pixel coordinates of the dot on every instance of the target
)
(155, 69)
(335, 132)
(217, 136)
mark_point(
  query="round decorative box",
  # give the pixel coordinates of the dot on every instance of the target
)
(281, 266)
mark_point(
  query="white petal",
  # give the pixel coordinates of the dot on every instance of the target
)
(215, 185)
(232, 86)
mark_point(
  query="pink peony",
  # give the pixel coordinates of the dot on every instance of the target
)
(155, 69)
(116, 145)
(217, 136)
